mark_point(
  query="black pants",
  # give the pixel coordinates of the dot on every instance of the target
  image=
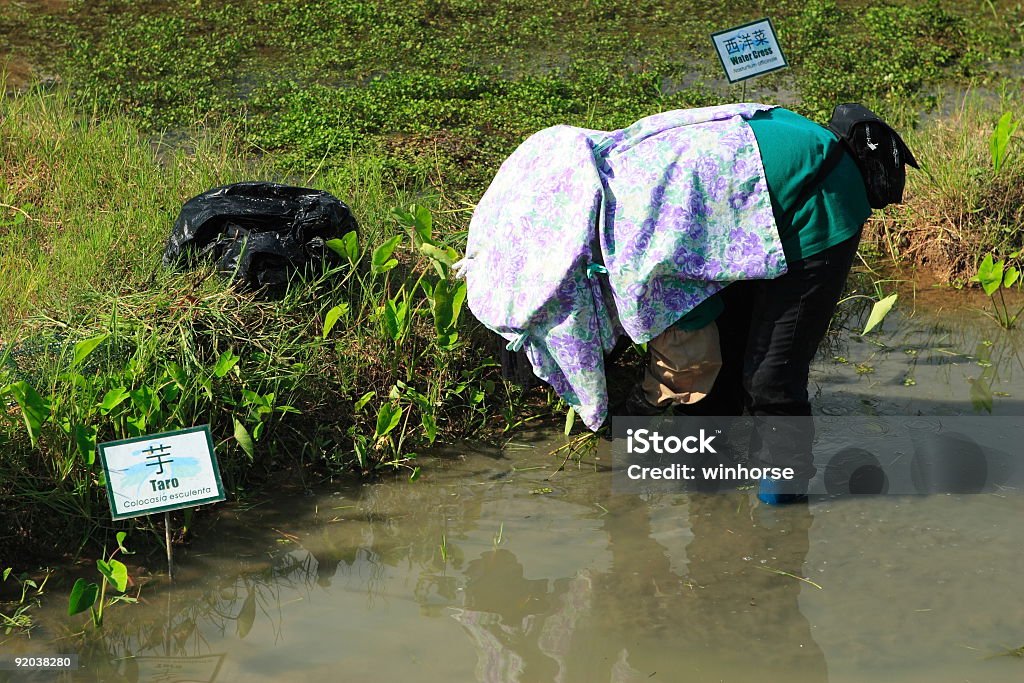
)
(770, 331)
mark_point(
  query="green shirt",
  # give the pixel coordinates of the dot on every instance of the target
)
(793, 149)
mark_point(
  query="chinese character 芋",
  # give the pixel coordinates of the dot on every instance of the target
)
(731, 47)
(760, 38)
(158, 452)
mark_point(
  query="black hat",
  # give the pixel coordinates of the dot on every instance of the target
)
(879, 151)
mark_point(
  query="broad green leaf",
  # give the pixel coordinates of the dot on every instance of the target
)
(1010, 277)
(990, 274)
(570, 420)
(7, 572)
(446, 256)
(999, 141)
(429, 426)
(332, 317)
(359, 446)
(447, 341)
(83, 596)
(176, 373)
(146, 400)
(388, 418)
(879, 311)
(424, 224)
(403, 216)
(120, 536)
(244, 439)
(35, 410)
(415, 474)
(247, 616)
(225, 362)
(85, 347)
(381, 262)
(364, 399)
(85, 440)
(347, 246)
(115, 572)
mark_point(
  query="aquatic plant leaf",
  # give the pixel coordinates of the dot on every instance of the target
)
(83, 596)
(247, 616)
(1010, 277)
(225, 362)
(85, 440)
(429, 425)
(364, 399)
(388, 418)
(990, 274)
(879, 311)
(347, 246)
(332, 317)
(570, 420)
(423, 223)
(999, 141)
(381, 261)
(115, 572)
(120, 536)
(446, 256)
(244, 439)
(35, 410)
(86, 347)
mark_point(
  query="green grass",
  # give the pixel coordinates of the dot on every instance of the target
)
(96, 201)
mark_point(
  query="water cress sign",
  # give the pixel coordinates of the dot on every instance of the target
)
(161, 472)
(749, 50)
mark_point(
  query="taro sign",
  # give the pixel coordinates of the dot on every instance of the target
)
(161, 472)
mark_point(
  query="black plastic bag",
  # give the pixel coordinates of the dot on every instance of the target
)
(258, 233)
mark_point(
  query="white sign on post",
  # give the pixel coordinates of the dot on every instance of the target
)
(161, 472)
(749, 50)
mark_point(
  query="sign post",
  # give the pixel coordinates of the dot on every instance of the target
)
(160, 473)
(749, 50)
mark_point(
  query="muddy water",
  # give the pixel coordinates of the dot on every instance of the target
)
(493, 568)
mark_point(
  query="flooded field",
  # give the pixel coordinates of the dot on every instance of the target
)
(493, 567)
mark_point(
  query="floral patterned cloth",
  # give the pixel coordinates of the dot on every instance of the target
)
(585, 235)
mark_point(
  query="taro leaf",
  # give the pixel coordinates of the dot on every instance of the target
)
(7, 572)
(85, 347)
(381, 261)
(879, 311)
(35, 410)
(244, 439)
(85, 439)
(83, 596)
(388, 418)
(332, 317)
(446, 256)
(364, 399)
(347, 246)
(247, 616)
(359, 446)
(1010, 277)
(429, 426)
(120, 536)
(424, 224)
(113, 399)
(176, 373)
(415, 474)
(115, 572)
(990, 274)
(1000, 139)
(225, 362)
(570, 420)
(394, 318)
(146, 400)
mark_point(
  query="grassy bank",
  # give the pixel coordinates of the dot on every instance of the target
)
(357, 367)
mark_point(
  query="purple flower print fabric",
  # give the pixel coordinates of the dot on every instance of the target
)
(585, 235)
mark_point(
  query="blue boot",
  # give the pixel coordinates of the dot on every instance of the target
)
(781, 492)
